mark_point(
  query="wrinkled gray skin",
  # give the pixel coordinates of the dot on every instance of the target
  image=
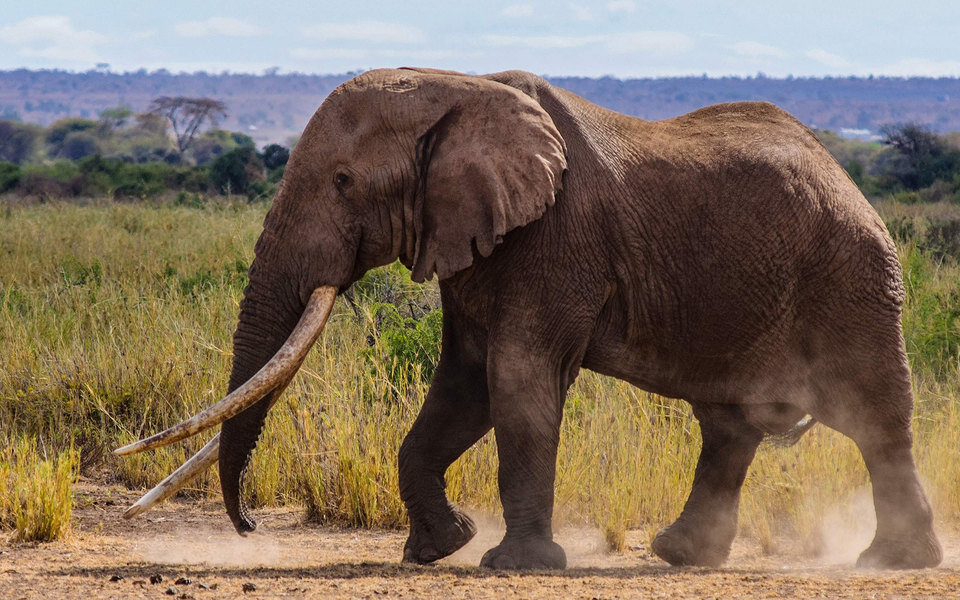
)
(722, 257)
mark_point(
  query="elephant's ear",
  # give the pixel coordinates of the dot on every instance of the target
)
(491, 163)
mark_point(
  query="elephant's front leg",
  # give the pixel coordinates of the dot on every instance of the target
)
(703, 533)
(454, 416)
(526, 398)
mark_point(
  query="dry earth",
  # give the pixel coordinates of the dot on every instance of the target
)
(284, 559)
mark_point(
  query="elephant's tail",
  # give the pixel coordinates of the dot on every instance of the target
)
(793, 435)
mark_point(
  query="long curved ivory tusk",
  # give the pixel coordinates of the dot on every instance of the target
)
(278, 369)
(199, 463)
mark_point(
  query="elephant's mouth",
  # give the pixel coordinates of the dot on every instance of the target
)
(277, 373)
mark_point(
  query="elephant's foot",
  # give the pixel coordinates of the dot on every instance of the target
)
(914, 552)
(526, 553)
(681, 545)
(431, 541)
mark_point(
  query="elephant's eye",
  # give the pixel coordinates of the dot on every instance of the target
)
(341, 180)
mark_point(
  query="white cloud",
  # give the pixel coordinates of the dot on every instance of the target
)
(580, 13)
(831, 60)
(621, 6)
(52, 37)
(757, 50)
(225, 26)
(54, 28)
(516, 11)
(374, 32)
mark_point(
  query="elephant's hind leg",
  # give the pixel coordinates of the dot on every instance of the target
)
(876, 413)
(454, 416)
(703, 533)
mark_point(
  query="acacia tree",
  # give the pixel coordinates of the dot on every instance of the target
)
(186, 115)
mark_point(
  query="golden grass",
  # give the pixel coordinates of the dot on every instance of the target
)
(35, 491)
(116, 322)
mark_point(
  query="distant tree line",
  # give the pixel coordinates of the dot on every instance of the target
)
(127, 155)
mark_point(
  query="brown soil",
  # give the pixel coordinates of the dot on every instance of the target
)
(285, 559)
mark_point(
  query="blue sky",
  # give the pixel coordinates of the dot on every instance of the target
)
(623, 38)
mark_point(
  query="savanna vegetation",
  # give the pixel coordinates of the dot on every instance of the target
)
(115, 322)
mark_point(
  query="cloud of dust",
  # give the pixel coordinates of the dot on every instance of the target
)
(847, 530)
(222, 549)
(585, 546)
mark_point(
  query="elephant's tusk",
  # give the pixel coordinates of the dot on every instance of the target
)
(276, 372)
(199, 463)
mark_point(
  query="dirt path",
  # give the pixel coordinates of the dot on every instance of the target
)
(286, 560)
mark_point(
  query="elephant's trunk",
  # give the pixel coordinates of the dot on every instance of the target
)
(266, 327)
(263, 324)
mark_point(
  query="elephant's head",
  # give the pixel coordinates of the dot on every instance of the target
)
(426, 167)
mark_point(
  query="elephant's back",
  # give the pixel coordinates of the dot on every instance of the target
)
(748, 244)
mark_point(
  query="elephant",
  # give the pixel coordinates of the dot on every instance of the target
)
(722, 257)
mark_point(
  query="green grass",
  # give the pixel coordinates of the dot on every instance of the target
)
(115, 322)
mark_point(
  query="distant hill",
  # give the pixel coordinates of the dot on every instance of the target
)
(274, 108)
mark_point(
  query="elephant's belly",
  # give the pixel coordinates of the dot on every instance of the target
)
(713, 377)
(722, 349)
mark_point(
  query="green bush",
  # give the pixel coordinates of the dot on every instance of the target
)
(142, 181)
(214, 143)
(79, 144)
(9, 176)
(931, 316)
(18, 141)
(275, 156)
(58, 133)
(98, 176)
(56, 180)
(409, 347)
(239, 171)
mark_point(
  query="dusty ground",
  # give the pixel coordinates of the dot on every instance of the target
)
(195, 541)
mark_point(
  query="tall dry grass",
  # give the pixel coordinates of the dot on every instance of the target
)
(116, 322)
(36, 499)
